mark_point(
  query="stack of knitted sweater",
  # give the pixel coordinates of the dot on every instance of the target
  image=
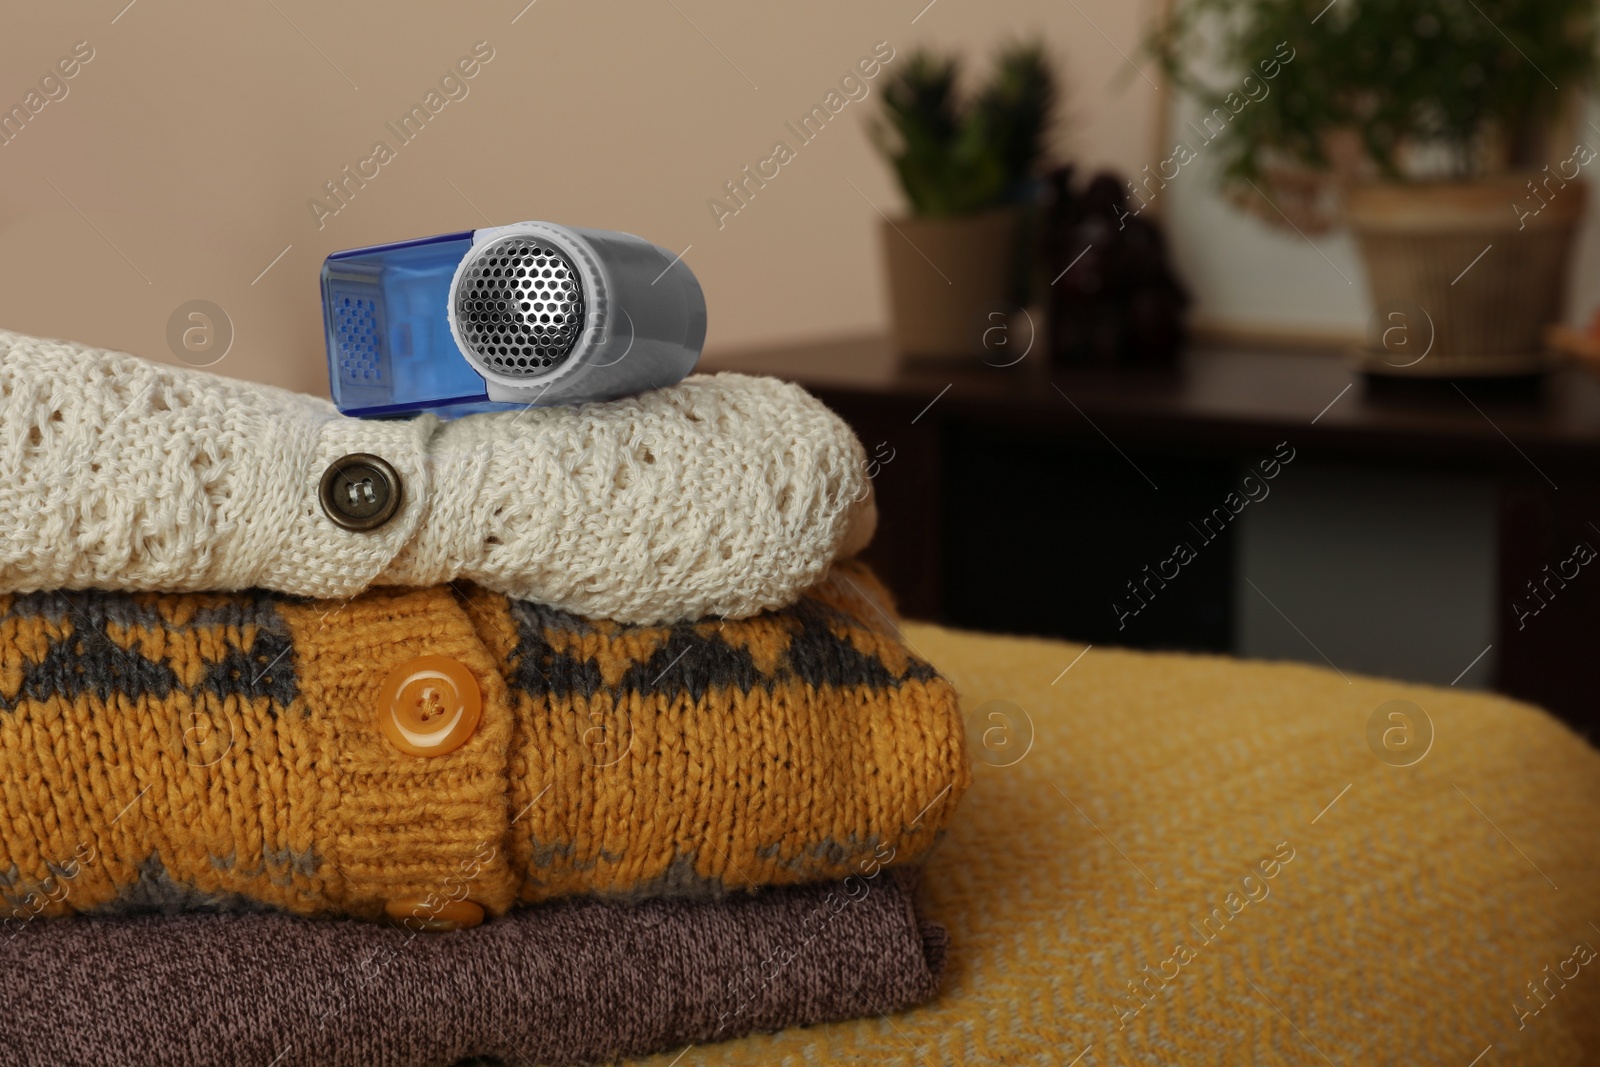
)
(551, 736)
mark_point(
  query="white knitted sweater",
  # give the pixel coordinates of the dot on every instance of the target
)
(724, 495)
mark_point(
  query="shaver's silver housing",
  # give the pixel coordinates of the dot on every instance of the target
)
(642, 315)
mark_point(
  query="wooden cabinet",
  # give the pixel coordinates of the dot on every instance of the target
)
(1022, 499)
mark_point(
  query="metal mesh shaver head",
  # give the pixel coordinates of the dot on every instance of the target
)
(531, 313)
(520, 306)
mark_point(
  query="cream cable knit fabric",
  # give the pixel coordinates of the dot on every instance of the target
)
(725, 495)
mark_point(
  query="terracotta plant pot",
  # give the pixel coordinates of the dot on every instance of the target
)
(1467, 274)
(947, 277)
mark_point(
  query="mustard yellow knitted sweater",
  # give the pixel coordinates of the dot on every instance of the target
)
(203, 751)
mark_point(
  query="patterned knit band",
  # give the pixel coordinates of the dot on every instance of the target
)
(189, 751)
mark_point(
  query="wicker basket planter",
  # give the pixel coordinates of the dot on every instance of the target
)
(1486, 272)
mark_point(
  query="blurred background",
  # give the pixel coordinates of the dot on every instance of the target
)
(196, 136)
(1245, 326)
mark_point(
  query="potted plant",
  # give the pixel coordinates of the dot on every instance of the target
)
(967, 168)
(1433, 128)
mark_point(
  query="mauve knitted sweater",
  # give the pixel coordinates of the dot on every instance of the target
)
(580, 981)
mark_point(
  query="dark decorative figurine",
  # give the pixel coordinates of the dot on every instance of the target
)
(1114, 300)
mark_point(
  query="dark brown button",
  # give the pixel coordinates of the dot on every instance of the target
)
(360, 491)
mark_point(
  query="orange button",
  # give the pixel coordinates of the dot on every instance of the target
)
(429, 706)
(434, 915)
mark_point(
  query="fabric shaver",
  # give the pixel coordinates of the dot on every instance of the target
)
(506, 317)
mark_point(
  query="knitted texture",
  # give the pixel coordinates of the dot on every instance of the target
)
(575, 982)
(805, 743)
(721, 496)
(1148, 812)
(223, 751)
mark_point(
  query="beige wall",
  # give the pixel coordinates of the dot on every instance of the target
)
(195, 136)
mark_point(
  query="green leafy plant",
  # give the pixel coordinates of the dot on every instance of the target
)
(956, 156)
(1413, 88)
